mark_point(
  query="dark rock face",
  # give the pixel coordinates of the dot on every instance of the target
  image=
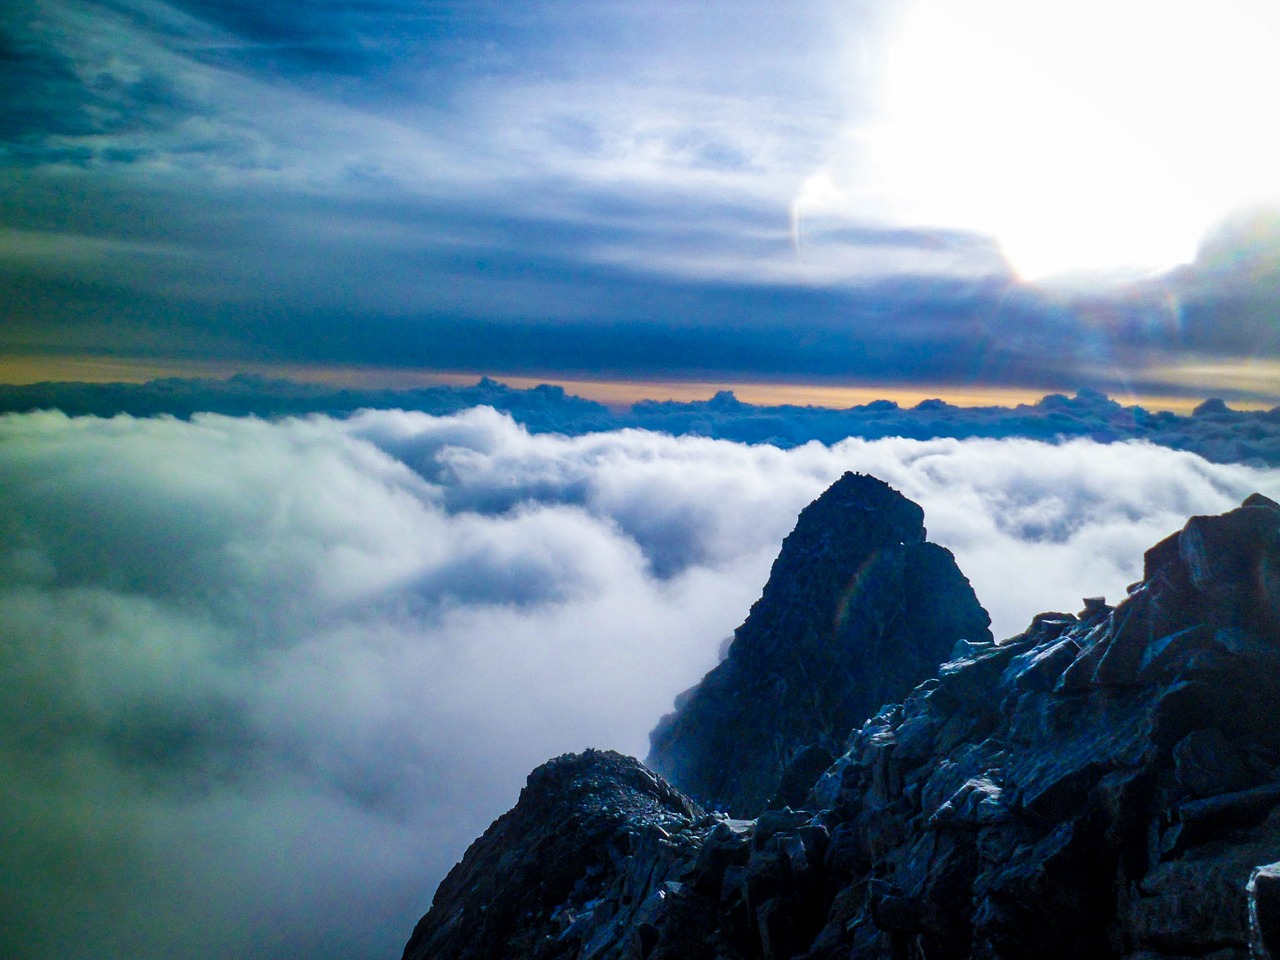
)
(1104, 785)
(585, 826)
(1096, 787)
(858, 610)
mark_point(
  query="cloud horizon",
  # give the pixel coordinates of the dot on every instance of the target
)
(267, 679)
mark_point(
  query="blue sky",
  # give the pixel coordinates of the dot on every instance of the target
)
(865, 192)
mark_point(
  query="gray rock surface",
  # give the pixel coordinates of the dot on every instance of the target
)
(587, 828)
(858, 609)
(1103, 785)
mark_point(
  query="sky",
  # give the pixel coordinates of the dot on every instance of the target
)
(264, 681)
(998, 195)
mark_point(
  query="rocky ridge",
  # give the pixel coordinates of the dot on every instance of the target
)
(1105, 784)
(858, 609)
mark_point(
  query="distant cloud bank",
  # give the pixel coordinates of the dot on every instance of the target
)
(1214, 430)
(265, 679)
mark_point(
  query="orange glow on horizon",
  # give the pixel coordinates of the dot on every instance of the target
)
(19, 370)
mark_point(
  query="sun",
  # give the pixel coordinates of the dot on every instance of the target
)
(1100, 135)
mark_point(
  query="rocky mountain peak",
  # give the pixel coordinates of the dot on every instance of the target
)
(1102, 785)
(857, 610)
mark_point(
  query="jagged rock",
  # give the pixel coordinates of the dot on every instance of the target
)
(1122, 787)
(1102, 786)
(585, 825)
(858, 609)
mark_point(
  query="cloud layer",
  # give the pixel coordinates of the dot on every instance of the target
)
(263, 682)
(1213, 430)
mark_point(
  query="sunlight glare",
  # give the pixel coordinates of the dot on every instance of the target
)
(1101, 135)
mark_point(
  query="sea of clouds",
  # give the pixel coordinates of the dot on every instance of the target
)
(263, 682)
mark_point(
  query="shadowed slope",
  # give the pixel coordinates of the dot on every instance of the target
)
(858, 610)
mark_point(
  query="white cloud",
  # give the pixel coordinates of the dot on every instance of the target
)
(265, 681)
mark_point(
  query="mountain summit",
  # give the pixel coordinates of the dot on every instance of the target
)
(858, 609)
(1102, 785)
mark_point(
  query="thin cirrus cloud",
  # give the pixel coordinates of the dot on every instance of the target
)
(636, 190)
(218, 183)
(264, 681)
